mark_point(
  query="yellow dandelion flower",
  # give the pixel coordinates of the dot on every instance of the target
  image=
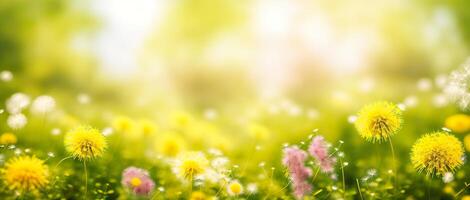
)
(25, 174)
(448, 189)
(85, 142)
(378, 121)
(191, 164)
(466, 141)
(437, 153)
(8, 138)
(170, 145)
(123, 124)
(458, 123)
(147, 127)
(234, 188)
(181, 119)
(466, 197)
(198, 195)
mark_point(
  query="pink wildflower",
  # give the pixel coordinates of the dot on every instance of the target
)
(137, 180)
(319, 150)
(294, 159)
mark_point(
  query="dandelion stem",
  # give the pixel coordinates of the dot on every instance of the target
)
(190, 184)
(395, 178)
(86, 178)
(359, 189)
(316, 173)
(342, 174)
(63, 159)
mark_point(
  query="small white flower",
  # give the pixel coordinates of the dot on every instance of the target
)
(372, 172)
(42, 105)
(17, 102)
(234, 188)
(17, 151)
(341, 154)
(6, 76)
(17, 121)
(448, 177)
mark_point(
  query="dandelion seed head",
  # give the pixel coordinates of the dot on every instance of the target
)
(17, 121)
(43, 104)
(17, 102)
(437, 153)
(6, 76)
(85, 143)
(378, 121)
(456, 87)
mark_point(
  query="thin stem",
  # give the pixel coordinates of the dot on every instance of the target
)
(462, 190)
(394, 167)
(316, 173)
(63, 159)
(342, 174)
(428, 187)
(86, 179)
(190, 184)
(359, 189)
